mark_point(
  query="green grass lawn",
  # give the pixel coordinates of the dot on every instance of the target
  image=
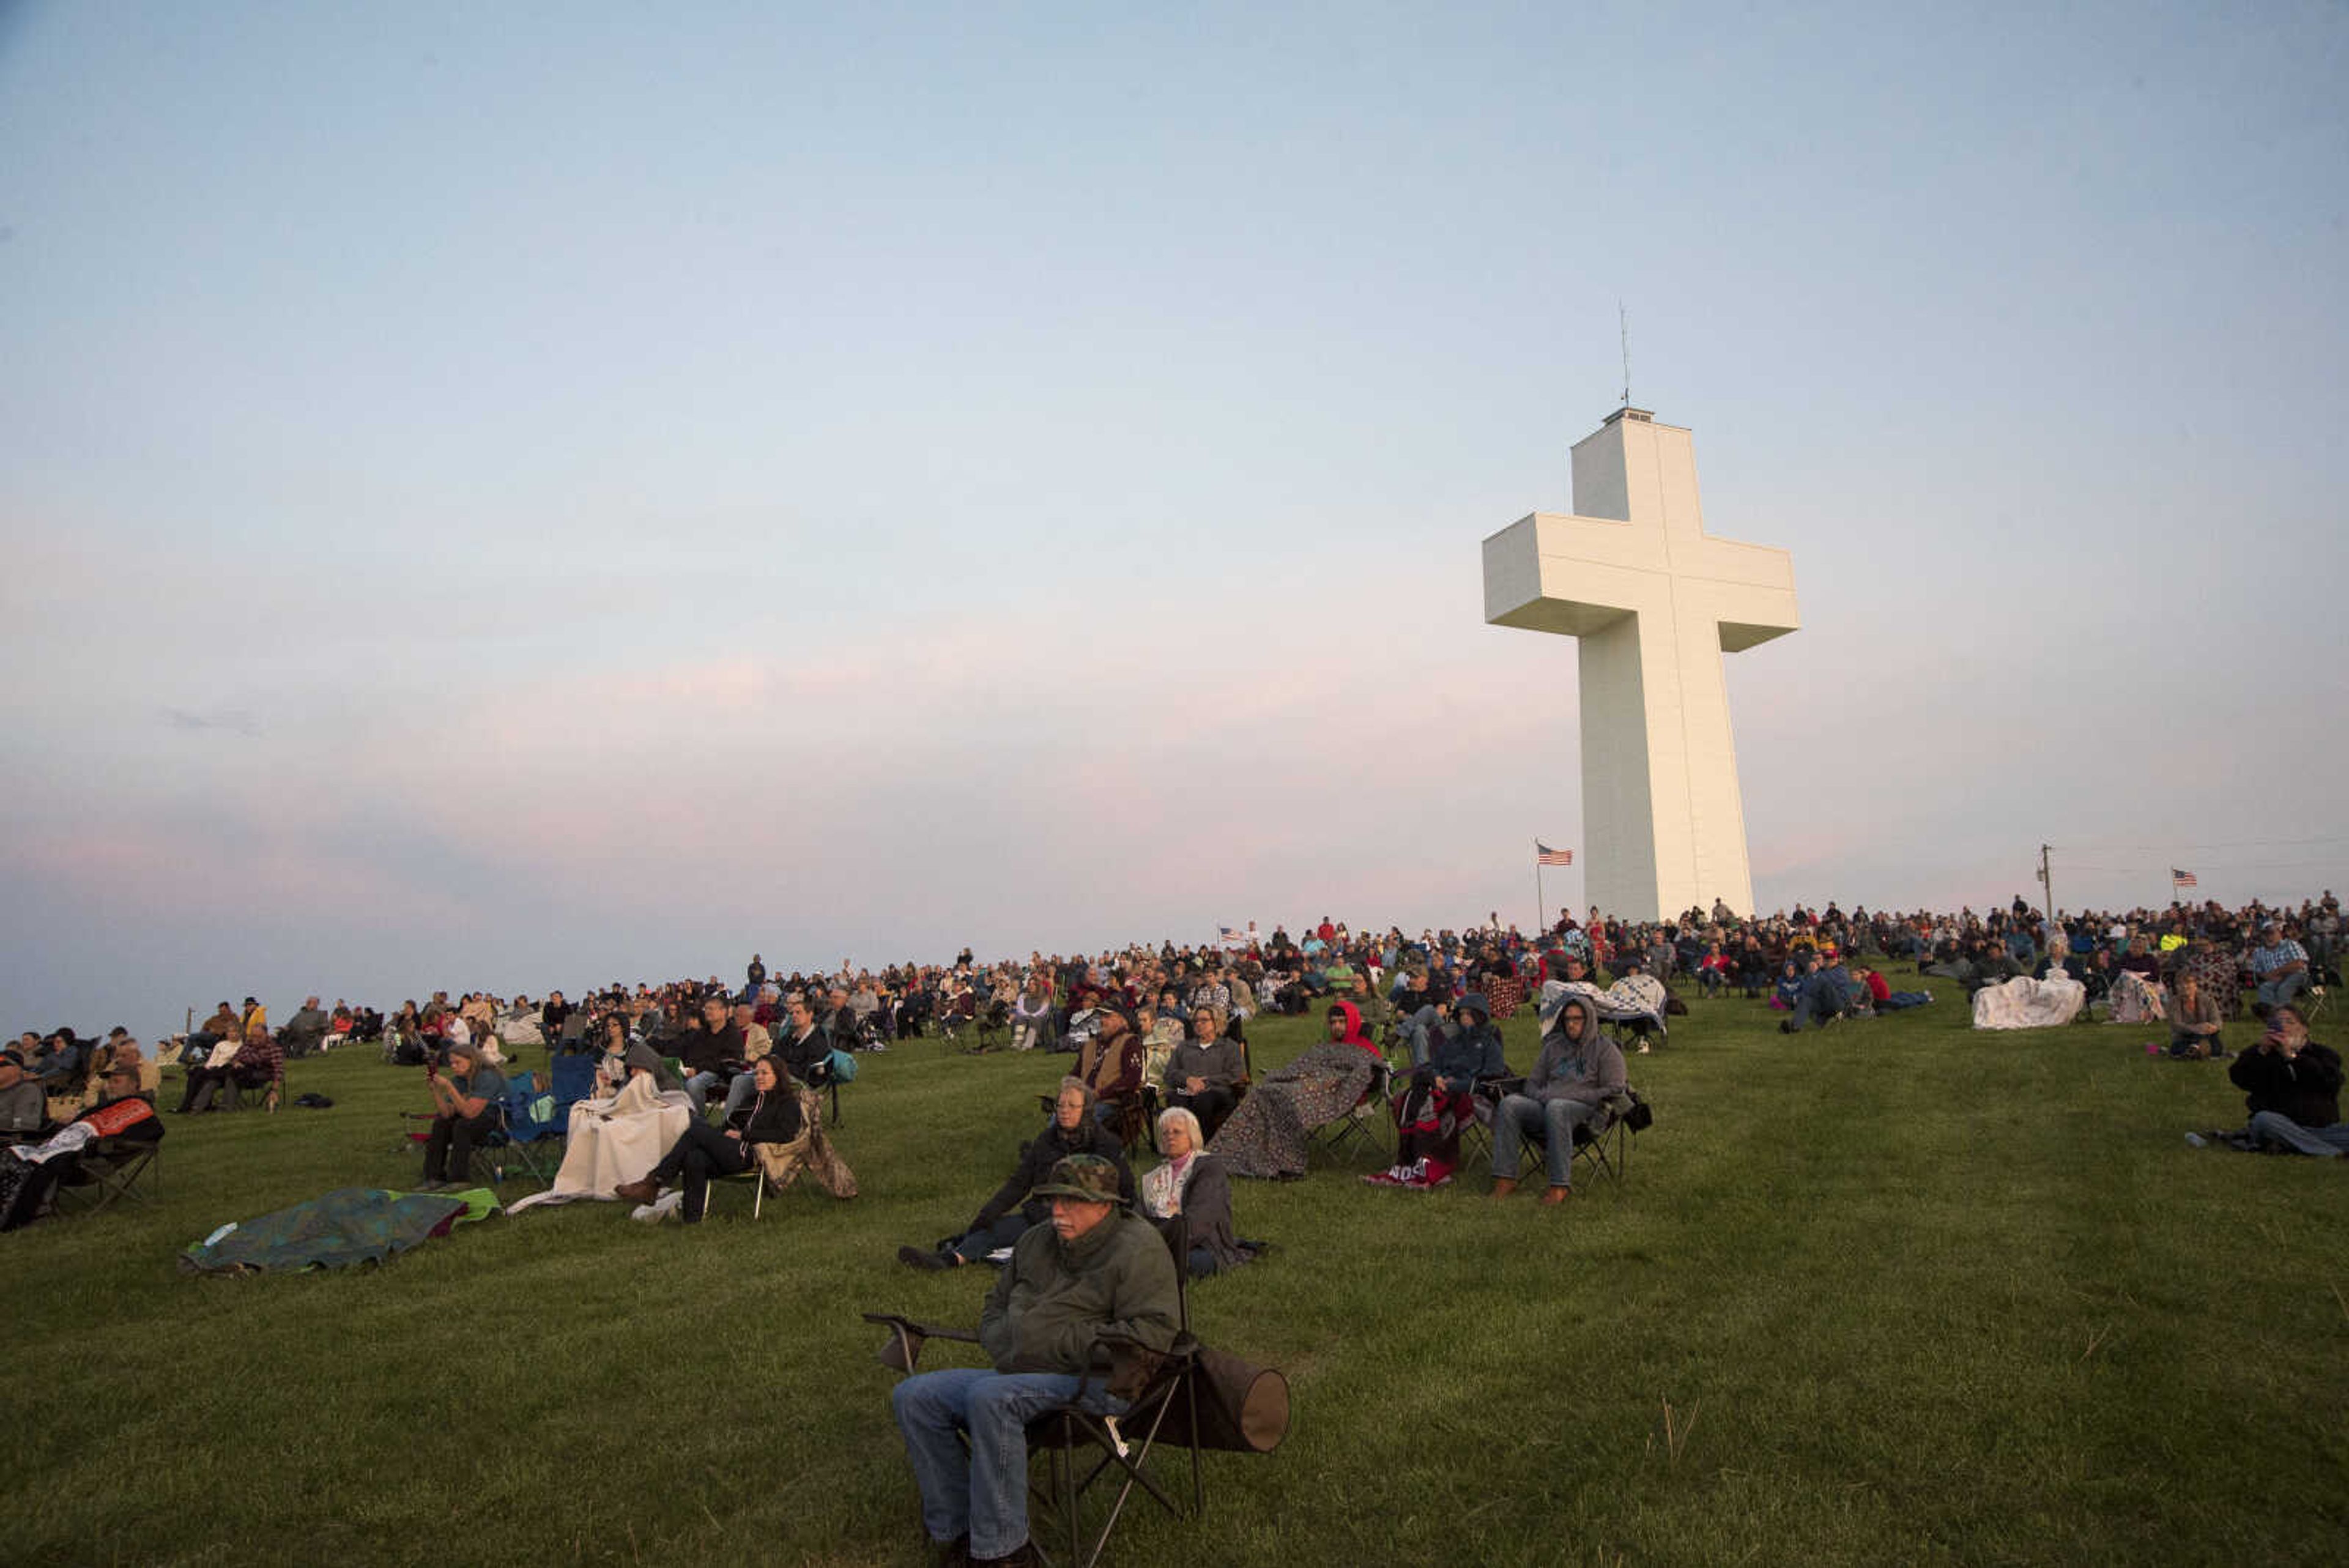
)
(1892, 1293)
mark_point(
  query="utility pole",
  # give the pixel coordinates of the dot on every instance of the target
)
(2046, 886)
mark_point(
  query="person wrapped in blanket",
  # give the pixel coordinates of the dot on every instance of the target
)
(1017, 1207)
(1439, 1099)
(1268, 1135)
(772, 1114)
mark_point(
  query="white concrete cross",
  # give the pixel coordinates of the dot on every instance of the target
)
(1655, 602)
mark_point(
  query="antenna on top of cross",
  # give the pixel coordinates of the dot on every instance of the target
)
(1623, 323)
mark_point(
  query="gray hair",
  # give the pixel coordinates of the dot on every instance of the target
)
(1181, 1117)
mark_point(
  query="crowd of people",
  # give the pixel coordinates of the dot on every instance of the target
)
(1158, 1036)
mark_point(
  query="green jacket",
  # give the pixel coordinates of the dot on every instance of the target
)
(1052, 1301)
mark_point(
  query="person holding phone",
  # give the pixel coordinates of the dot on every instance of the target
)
(465, 1102)
(2293, 1085)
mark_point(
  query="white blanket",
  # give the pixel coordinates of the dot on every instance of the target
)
(613, 1140)
(2024, 1002)
(2136, 1002)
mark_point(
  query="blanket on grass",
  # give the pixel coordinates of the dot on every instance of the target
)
(2024, 1002)
(349, 1225)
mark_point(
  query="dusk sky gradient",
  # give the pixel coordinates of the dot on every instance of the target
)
(521, 496)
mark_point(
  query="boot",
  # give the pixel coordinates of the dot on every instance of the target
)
(643, 1190)
(1504, 1185)
(1557, 1194)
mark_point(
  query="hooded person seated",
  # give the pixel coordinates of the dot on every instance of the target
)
(1268, 1135)
(1092, 1280)
(1577, 1071)
(1439, 1099)
(1017, 1207)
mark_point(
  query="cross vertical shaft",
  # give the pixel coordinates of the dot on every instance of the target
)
(1655, 602)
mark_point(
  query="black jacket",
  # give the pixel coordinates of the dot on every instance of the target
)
(1035, 1161)
(771, 1118)
(2307, 1089)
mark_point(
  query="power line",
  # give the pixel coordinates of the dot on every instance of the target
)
(2235, 844)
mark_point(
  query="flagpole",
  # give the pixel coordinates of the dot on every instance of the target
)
(1539, 904)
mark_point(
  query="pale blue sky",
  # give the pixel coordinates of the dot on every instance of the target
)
(515, 496)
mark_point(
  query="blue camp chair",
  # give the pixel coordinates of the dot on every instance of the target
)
(527, 1127)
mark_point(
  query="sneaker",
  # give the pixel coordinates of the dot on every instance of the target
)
(915, 1257)
(2195, 1140)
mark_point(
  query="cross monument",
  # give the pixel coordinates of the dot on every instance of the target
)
(1655, 602)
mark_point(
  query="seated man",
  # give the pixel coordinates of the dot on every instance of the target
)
(713, 1054)
(62, 1064)
(1096, 1277)
(2279, 966)
(305, 1030)
(806, 1050)
(1203, 1076)
(756, 1043)
(464, 1113)
(2293, 1087)
(255, 1062)
(1579, 1070)
(24, 1105)
(1827, 992)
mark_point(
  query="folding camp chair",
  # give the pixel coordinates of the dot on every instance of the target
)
(1606, 1145)
(1361, 1123)
(113, 1169)
(526, 1122)
(1176, 1406)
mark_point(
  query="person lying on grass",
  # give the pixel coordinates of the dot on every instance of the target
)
(772, 1114)
(1016, 1207)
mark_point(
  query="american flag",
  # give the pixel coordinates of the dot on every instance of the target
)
(2182, 879)
(1545, 855)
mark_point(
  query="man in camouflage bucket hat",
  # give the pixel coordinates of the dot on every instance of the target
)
(1096, 1270)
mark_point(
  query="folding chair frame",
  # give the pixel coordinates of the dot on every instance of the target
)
(114, 1173)
(1060, 1433)
(1362, 1122)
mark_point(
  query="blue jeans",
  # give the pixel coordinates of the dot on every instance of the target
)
(2325, 1143)
(1415, 1029)
(1822, 996)
(2276, 993)
(1549, 1122)
(982, 1492)
(740, 1092)
(697, 1089)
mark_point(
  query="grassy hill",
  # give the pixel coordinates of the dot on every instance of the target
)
(1890, 1293)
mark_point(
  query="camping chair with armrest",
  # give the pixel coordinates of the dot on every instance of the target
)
(1362, 1122)
(124, 1161)
(526, 1122)
(1176, 1402)
(1476, 1138)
